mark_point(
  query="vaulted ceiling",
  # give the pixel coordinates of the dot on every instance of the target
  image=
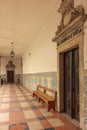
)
(20, 21)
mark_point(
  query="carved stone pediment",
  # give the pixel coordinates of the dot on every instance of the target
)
(69, 14)
(10, 65)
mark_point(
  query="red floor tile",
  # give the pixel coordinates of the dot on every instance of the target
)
(21, 126)
(16, 117)
(14, 105)
(46, 124)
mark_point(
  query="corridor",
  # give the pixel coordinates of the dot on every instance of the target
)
(20, 111)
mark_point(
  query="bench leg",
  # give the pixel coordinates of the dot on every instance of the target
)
(33, 94)
(39, 99)
(49, 108)
(51, 104)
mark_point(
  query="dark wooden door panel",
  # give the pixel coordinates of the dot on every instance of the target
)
(76, 82)
(71, 83)
(68, 82)
(10, 76)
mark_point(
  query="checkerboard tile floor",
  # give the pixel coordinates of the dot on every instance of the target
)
(20, 111)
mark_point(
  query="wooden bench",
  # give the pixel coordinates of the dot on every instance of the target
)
(46, 95)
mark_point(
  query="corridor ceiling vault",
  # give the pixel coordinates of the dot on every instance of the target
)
(20, 22)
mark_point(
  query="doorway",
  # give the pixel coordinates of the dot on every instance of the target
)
(71, 83)
(10, 76)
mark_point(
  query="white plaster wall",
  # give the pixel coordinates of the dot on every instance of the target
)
(17, 63)
(43, 54)
(4, 62)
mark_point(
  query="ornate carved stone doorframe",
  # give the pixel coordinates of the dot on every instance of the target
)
(10, 67)
(69, 35)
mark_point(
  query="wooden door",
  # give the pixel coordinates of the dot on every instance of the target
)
(68, 82)
(71, 83)
(10, 76)
(76, 84)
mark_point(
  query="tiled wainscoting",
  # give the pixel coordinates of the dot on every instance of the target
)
(85, 96)
(47, 79)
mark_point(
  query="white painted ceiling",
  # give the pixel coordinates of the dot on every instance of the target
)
(20, 21)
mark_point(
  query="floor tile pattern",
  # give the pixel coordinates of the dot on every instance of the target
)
(20, 111)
